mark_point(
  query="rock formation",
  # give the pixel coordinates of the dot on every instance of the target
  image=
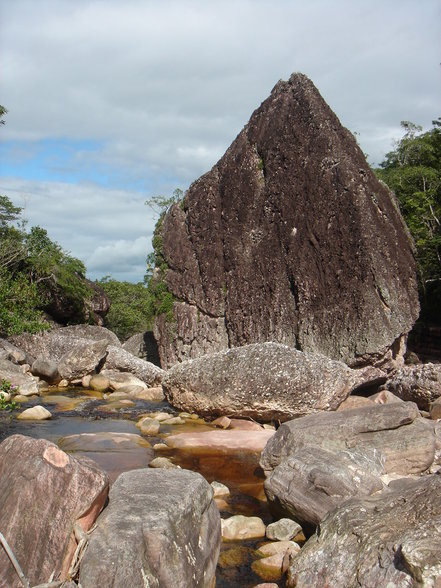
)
(289, 238)
(264, 381)
(161, 528)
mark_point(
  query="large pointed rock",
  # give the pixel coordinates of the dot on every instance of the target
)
(44, 493)
(289, 238)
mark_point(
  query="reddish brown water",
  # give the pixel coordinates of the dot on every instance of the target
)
(78, 412)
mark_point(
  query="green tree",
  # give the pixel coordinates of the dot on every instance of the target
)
(413, 171)
(131, 310)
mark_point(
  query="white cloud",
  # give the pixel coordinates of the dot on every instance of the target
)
(164, 88)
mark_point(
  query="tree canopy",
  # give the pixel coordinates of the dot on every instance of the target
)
(413, 171)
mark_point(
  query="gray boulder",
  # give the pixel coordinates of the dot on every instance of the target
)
(12, 353)
(46, 369)
(391, 539)
(310, 483)
(56, 343)
(83, 358)
(265, 381)
(160, 529)
(26, 382)
(418, 383)
(121, 360)
(396, 430)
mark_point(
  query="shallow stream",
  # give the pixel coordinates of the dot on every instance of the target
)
(80, 411)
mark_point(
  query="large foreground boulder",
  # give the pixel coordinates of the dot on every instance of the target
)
(289, 238)
(264, 381)
(44, 492)
(160, 529)
(391, 539)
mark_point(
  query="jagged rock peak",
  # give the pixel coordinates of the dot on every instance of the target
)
(289, 238)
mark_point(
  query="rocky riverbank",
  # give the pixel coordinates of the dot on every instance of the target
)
(353, 441)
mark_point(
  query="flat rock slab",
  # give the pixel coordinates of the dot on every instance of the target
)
(43, 493)
(160, 529)
(264, 381)
(391, 539)
(218, 441)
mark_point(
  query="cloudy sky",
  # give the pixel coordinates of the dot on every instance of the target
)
(111, 102)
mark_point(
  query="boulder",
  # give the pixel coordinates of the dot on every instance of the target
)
(122, 380)
(13, 353)
(44, 493)
(46, 369)
(121, 360)
(313, 481)
(35, 413)
(161, 528)
(283, 530)
(144, 346)
(396, 430)
(290, 238)
(83, 358)
(240, 528)
(56, 343)
(418, 383)
(264, 381)
(216, 441)
(391, 539)
(27, 384)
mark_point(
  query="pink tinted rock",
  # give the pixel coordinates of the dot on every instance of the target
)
(354, 402)
(43, 493)
(223, 441)
(244, 425)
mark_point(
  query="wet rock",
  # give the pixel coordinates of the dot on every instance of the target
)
(99, 383)
(234, 557)
(239, 527)
(274, 242)
(268, 549)
(406, 440)
(223, 422)
(419, 383)
(148, 426)
(173, 538)
(155, 394)
(219, 489)
(123, 361)
(122, 379)
(283, 530)
(102, 441)
(162, 462)
(44, 492)
(264, 381)
(223, 441)
(389, 539)
(271, 567)
(174, 421)
(35, 413)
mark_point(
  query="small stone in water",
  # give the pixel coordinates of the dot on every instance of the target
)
(223, 422)
(99, 383)
(231, 558)
(174, 421)
(241, 527)
(149, 426)
(283, 530)
(269, 568)
(35, 413)
(268, 549)
(162, 462)
(219, 489)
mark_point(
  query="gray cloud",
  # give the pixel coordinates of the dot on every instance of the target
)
(165, 87)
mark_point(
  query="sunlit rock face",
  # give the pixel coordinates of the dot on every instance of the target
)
(289, 238)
